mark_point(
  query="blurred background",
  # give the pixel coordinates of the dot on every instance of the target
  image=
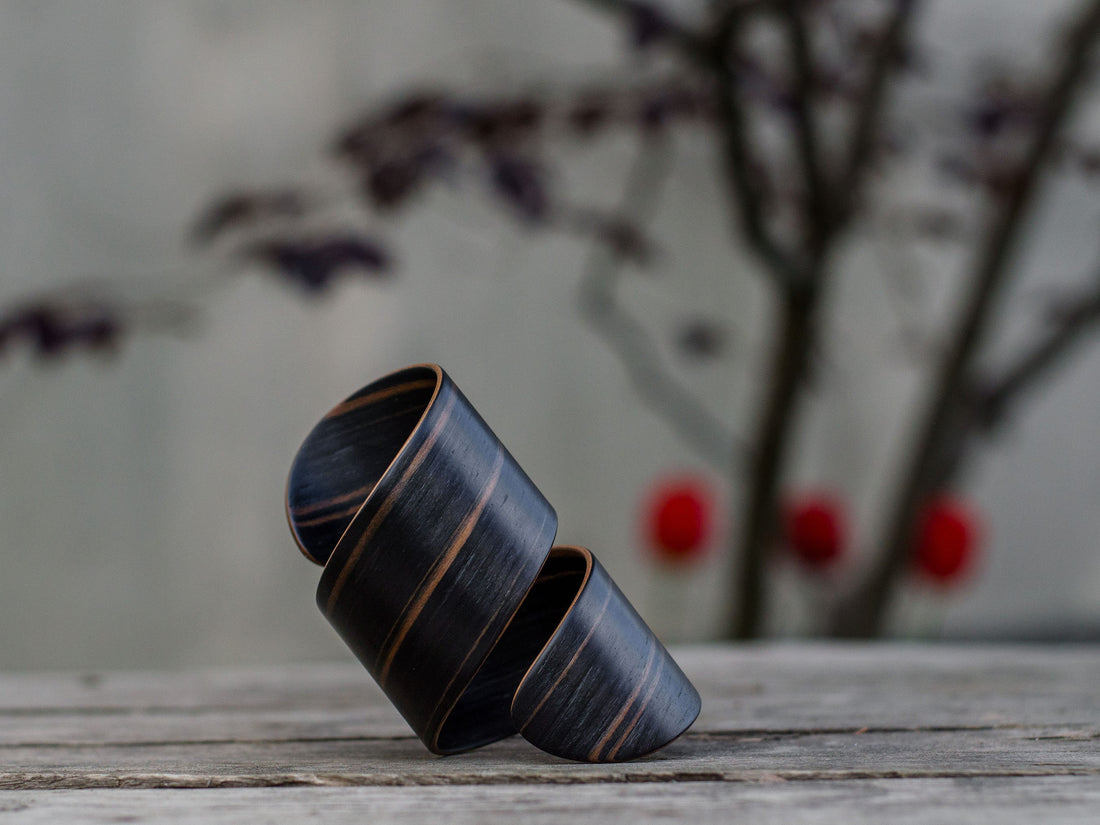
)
(142, 517)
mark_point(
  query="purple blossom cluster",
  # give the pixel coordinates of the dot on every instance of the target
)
(396, 152)
(506, 146)
(50, 330)
(429, 136)
(315, 263)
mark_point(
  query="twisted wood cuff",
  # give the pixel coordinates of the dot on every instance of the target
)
(439, 575)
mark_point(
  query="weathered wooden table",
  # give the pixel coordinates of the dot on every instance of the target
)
(792, 733)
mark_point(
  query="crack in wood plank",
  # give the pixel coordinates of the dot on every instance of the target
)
(1006, 801)
(1072, 733)
(62, 781)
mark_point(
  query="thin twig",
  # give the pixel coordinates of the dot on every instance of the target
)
(631, 340)
(736, 153)
(711, 53)
(987, 402)
(682, 37)
(692, 43)
(996, 395)
(806, 134)
(868, 115)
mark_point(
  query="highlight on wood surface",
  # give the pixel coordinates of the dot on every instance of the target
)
(440, 576)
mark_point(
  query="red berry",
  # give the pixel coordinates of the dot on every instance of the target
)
(679, 520)
(947, 540)
(816, 529)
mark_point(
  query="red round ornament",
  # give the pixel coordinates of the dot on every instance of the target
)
(946, 540)
(678, 520)
(815, 528)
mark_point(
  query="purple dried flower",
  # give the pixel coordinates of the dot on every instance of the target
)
(648, 24)
(589, 114)
(416, 116)
(414, 107)
(521, 183)
(390, 184)
(1001, 104)
(51, 329)
(46, 333)
(654, 113)
(988, 118)
(314, 263)
(702, 339)
(624, 239)
(358, 145)
(239, 208)
(495, 123)
(101, 333)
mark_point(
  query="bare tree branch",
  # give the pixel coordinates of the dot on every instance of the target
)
(736, 154)
(630, 339)
(985, 403)
(806, 135)
(862, 613)
(798, 291)
(996, 395)
(868, 116)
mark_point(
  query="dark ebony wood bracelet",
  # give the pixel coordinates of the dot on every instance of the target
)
(439, 575)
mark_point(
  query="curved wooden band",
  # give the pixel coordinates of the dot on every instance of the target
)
(439, 575)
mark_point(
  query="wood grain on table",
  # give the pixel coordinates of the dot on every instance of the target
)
(788, 733)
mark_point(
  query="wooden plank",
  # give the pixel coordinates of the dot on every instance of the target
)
(120, 727)
(1051, 801)
(766, 688)
(304, 686)
(792, 733)
(693, 758)
(816, 686)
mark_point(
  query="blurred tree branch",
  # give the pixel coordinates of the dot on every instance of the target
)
(800, 287)
(805, 128)
(861, 613)
(737, 155)
(629, 338)
(1073, 321)
(650, 23)
(989, 399)
(887, 57)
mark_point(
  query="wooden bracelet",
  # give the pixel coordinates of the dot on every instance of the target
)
(440, 576)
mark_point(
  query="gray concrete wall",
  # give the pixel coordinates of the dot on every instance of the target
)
(141, 515)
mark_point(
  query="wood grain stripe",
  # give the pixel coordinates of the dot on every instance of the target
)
(473, 647)
(371, 398)
(410, 614)
(360, 493)
(387, 504)
(572, 661)
(656, 680)
(621, 715)
(339, 514)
